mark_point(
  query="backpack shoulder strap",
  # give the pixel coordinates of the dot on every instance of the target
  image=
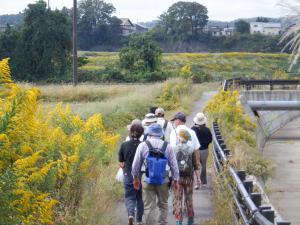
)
(145, 137)
(165, 125)
(150, 147)
(164, 147)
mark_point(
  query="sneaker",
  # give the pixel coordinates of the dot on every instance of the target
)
(139, 223)
(178, 222)
(190, 221)
(196, 187)
(203, 187)
(130, 220)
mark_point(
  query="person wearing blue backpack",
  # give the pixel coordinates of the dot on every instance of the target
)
(155, 154)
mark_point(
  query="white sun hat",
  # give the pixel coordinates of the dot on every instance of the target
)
(200, 119)
(149, 119)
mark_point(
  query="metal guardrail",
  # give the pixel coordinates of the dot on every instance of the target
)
(249, 83)
(247, 209)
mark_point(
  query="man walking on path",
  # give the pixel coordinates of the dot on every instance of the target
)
(165, 124)
(155, 191)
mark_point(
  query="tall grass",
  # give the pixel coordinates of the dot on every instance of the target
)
(126, 102)
(80, 93)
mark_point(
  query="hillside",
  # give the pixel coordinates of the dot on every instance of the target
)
(11, 19)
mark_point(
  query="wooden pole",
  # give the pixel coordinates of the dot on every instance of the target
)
(75, 74)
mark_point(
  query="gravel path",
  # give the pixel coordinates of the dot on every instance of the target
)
(203, 205)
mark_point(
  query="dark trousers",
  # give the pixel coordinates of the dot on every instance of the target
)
(133, 199)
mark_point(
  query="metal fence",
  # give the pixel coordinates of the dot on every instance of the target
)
(249, 84)
(247, 208)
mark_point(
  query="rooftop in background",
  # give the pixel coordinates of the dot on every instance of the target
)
(129, 28)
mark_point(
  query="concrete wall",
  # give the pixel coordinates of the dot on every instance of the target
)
(269, 121)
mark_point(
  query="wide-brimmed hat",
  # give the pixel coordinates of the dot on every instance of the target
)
(135, 121)
(179, 116)
(149, 118)
(200, 119)
(155, 130)
(159, 112)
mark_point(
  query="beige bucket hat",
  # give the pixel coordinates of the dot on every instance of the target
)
(200, 119)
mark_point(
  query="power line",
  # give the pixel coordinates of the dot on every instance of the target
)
(75, 74)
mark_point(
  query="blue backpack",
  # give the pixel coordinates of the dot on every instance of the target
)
(156, 163)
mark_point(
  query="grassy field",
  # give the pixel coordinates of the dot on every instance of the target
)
(215, 66)
(118, 104)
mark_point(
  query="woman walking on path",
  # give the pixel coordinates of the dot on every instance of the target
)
(205, 138)
(187, 163)
(133, 197)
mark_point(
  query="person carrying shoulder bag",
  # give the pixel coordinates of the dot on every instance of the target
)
(133, 197)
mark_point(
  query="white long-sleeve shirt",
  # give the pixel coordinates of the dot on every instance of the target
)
(168, 130)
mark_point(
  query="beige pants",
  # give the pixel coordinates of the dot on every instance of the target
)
(155, 195)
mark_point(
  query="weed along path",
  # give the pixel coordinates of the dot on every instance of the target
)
(203, 202)
(283, 149)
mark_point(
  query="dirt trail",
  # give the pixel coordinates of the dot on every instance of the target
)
(203, 205)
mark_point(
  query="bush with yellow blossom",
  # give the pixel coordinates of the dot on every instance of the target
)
(45, 159)
(172, 92)
(238, 130)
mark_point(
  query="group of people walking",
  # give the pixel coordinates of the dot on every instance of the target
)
(160, 157)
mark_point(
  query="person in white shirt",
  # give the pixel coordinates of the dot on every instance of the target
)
(179, 120)
(165, 124)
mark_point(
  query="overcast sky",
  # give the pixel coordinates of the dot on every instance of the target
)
(147, 10)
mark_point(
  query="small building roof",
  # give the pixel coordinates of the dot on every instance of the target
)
(126, 21)
(141, 26)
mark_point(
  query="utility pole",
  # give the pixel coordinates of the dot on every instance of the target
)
(48, 4)
(75, 75)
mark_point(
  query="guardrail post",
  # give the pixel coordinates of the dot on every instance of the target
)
(283, 223)
(226, 152)
(242, 175)
(269, 214)
(264, 207)
(248, 185)
(223, 146)
(256, 198)
(221, 141)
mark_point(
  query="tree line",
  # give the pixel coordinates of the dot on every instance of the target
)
(40, 48)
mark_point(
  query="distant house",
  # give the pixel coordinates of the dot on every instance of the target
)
(140, 29)
(265, 28)
(129, 28)
(219, 31)
(227, 31)
(2, 28)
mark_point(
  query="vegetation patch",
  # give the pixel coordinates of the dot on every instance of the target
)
(46, 160)
(203, 66)
(237, 129)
